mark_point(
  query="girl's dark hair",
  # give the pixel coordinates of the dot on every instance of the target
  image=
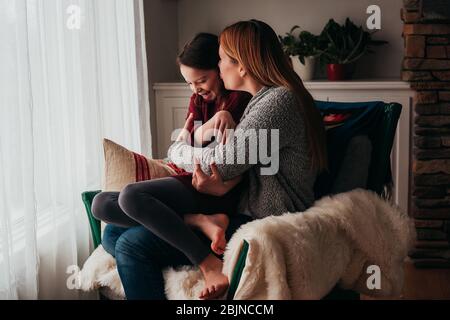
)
(202, 52)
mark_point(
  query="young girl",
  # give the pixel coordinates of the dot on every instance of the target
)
(218, 110)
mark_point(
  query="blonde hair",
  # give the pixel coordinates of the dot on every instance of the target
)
(256, 47)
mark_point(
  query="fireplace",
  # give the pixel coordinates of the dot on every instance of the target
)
(426, 65)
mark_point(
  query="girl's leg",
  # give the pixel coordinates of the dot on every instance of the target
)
(214, 217)
(105, 207)
(159, 205)
(213, 226)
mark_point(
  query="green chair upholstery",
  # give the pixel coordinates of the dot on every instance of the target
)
(87, 198)
(379, 169)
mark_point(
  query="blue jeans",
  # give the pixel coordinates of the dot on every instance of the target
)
(141, 256)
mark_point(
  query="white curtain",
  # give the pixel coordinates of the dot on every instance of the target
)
(72, 72)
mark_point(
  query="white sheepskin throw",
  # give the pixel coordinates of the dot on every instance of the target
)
(100, 272)
(304, 255)
(298, 255)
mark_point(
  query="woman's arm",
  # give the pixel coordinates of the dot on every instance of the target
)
(265, 122)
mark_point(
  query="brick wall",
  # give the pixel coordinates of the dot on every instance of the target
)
(426, 65)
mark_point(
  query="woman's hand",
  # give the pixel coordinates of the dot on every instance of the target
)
(213, 184)
(185, 134)
(223, 121)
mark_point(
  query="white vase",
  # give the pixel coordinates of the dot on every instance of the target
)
(305, 72)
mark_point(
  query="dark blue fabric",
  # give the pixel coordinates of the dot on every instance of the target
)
(365, 119)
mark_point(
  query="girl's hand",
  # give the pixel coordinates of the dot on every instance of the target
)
(223, 121)
(185, 134)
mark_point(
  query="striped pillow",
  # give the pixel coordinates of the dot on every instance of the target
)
(123, 167)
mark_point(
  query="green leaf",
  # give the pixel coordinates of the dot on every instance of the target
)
(343, 43)
(357, 46)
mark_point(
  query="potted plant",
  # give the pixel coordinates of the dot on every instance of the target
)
(340, 46)
(302, 50)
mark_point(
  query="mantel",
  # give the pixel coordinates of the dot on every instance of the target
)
(318, 85)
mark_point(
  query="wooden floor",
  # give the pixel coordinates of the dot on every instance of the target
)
(428, 284)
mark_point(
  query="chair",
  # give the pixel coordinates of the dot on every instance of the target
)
(385, 117)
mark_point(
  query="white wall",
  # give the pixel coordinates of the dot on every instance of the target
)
(213, 15)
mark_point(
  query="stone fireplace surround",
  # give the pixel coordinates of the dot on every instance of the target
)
(426, 65)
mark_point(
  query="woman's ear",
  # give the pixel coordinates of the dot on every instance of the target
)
(242, 71)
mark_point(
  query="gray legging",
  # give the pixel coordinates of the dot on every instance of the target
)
(159, 205)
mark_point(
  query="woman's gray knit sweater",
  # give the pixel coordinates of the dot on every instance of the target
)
(288, 185)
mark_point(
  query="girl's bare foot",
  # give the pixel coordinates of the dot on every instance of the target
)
(213, 226)
(216, 283)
